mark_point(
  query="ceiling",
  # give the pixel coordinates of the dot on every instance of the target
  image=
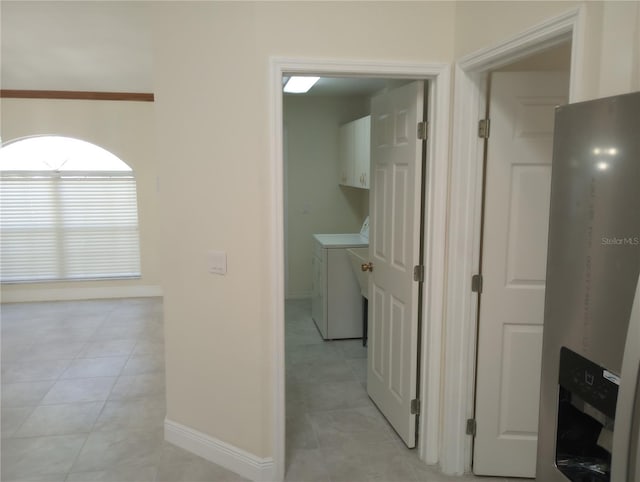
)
(85, 46)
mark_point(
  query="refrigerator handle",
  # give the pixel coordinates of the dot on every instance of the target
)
(633, 474)
(625, 463)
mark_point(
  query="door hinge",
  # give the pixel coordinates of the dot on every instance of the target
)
(476, 283)
(484, 126)
(471, 426)
(423, 130)
(418, 273)
(415, 406)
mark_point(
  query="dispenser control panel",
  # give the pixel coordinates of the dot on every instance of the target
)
(592, 383)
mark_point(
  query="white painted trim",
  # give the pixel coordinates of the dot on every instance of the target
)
(551, 32)
(433, 299)
(65, 294)
(542, 36)
(435, 229)
(578, 42)
(465, 218)
(463, 262)
(226, 455)
(276, 268)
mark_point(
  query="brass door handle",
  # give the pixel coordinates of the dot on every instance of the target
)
(366, 267)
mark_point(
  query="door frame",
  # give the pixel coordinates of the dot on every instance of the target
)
(471, 75)
(434, 222)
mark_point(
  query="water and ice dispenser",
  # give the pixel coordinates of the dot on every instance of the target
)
(587, 397)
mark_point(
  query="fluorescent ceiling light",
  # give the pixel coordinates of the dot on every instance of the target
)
(300, 85)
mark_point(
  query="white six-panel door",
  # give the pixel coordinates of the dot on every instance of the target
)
(396, 161)
(517, 191)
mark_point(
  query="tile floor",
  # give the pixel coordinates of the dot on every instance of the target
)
(83, 401)
(334, 431)
(83, 396)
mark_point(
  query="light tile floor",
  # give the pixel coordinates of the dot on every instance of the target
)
(83, 396)
(83, 400)
(334, 432)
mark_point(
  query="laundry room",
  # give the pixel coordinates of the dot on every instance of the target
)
(326, 202)
(315, 202)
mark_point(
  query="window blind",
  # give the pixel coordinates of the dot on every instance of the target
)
(68, 226)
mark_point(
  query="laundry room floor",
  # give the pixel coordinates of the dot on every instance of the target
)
(334, 432)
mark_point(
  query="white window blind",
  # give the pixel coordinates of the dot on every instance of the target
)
(68, 226)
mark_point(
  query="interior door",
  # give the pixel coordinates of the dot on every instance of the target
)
(514, 253)
(394, 248)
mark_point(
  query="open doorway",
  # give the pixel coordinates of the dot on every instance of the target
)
(436, 202)
(329, 138)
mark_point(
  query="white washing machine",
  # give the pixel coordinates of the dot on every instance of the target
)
(336, 304)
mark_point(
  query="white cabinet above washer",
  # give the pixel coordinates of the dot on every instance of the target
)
(354, 149)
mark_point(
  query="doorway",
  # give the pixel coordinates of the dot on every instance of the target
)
(336, 143)
(326, 401)
(521, 99)
(436, 201)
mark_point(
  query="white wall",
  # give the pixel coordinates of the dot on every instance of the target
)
(315, 201)
(212, 103)
(121, 127)
(620, 48)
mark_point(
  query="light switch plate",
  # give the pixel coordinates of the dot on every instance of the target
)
(217, 262)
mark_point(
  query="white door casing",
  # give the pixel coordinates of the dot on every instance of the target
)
(517, 191)
(394, 248)
(439, 75)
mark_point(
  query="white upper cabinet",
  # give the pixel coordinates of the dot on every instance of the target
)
(354, 152)
(346, 148)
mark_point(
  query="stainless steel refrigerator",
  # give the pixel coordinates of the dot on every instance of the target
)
(589, 426)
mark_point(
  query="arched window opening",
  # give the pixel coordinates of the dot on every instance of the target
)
(68, 211)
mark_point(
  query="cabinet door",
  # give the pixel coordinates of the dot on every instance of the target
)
(362, 152)
(346, 137)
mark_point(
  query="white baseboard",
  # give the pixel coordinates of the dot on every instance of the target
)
(219, 452)
(16, 295)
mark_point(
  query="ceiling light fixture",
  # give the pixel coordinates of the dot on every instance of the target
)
(300, 85)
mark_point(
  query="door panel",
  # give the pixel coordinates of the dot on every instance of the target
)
(522, 345)
(396, 160)
(528, 225)
(516, 217)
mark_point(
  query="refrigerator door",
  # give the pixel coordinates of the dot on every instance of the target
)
(593, 265)
(625, 465)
